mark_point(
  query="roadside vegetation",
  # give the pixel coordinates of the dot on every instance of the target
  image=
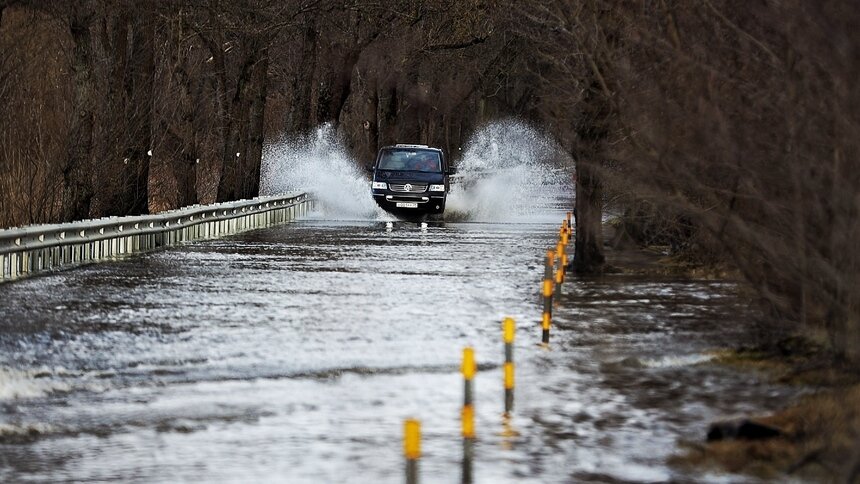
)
(724, 131)
(819, 434)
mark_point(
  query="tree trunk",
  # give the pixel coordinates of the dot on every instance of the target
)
(592, 131)
(176, 149)
(237, 162)
(182, 137)
(140, 79)
(588, 253)
(126, 114)
(386, 113)
(254, 143)
(77, 176)
(300, 106)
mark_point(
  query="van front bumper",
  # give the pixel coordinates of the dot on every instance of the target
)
(428, 202)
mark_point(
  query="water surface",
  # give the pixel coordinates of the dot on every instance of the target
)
(294, 353)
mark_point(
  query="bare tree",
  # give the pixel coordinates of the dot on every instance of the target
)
(570, 45)
(124, 120)
(77, 172)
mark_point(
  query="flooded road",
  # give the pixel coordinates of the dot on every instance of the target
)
(293, 354)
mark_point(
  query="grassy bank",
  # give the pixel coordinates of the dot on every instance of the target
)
(820, 438)
(820, 431)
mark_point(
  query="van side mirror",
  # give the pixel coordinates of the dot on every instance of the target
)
(452, 170)
(370, 168)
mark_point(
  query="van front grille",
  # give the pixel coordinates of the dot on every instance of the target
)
(407, 187)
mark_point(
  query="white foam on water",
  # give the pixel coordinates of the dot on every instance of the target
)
(20, 384)
(509, 172)
(675, 361)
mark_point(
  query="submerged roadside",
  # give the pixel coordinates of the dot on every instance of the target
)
(812, 436)
(816, 435)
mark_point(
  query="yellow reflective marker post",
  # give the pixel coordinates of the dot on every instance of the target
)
(559, 275)
(469, 368)
(467, 419)
(546, 321)
(467, 416)
(412, 448)
(508, 332)
(509, 375)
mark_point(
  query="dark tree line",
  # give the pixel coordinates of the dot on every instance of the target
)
(121, 107)
(727, 130)
(724, 129)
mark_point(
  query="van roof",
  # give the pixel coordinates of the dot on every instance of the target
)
(403, 145)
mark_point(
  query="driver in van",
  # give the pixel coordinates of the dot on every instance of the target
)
(426, 163)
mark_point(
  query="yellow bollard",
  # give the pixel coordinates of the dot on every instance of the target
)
(509, 375)
(412, 448)
(467, 415)
(508, 332)
(469, 369)
(547, 297)
(559, 275)
(467, 419)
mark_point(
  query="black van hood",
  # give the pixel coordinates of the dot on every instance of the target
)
(409, 176)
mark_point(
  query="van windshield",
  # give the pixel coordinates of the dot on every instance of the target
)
(410, 160)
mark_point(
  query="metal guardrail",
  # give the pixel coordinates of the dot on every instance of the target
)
(28, 250)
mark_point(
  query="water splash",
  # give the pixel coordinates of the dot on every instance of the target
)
(509, 172)
(21, 384)
(319, 163)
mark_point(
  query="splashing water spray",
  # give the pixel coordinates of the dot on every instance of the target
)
(319, 163)
(509, 172)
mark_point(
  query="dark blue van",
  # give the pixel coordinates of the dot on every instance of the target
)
(411, 179)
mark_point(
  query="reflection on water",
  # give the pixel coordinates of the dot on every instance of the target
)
(294, 354)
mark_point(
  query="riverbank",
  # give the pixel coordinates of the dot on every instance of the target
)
(819, 432)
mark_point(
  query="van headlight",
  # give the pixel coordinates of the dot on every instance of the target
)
(437, 188)
(380, 185)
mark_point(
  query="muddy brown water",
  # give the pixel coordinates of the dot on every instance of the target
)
(294, 354)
